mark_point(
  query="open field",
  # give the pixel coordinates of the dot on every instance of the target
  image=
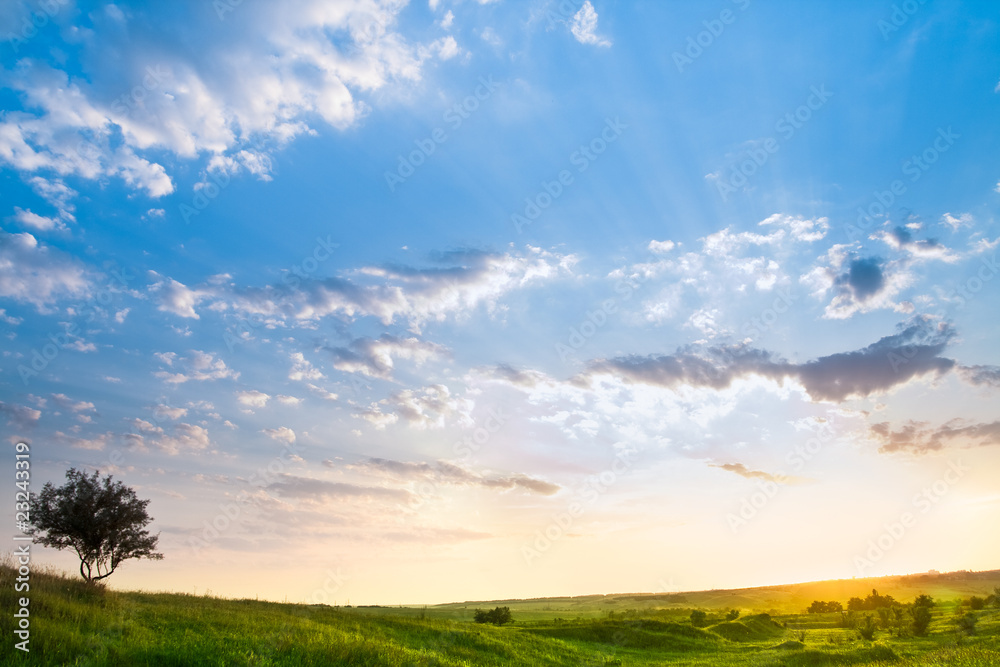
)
(76, 625)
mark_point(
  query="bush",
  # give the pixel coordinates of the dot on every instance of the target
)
(699, 618)
(976, 603)
(499, 616)
(733, 614)
(967, 624)
(921, 619)
(866, 630)
(872, 602)
(820, 607)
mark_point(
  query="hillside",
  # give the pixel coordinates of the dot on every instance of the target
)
(783, 599)
(74, 624)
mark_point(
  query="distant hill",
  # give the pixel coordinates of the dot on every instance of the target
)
(785, 599)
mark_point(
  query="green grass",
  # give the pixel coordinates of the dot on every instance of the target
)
(73, 624)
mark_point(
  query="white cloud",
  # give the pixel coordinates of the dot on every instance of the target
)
(374, 357)
(27, 218)
(9, 319)
(490, 36)
(200, 366)
(448, 20)
(66, 403)
(584, 26)
(95, 443)
(461, 282)
(661, 247)
(289, 400)
(445, 48)
(186, 438)
(281, 434)
(168, 412)
(176, 298)
(962, 220)
(321, 392)
(303, 370)
(32, 272)
(433, 408)
(265, 71)
(254, 399)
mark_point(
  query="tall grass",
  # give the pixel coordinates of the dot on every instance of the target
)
(73, 623)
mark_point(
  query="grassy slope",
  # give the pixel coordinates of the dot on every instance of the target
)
(73, 624)
(785, 599)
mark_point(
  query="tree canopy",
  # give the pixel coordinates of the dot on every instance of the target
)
(499, 616)
(103, 521)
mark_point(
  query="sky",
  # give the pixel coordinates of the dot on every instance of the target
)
(387, 302)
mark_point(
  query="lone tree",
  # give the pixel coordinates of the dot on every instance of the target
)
(920, 611)
(102, 521)
(499, 616)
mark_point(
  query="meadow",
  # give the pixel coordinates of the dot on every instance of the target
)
(76, 624)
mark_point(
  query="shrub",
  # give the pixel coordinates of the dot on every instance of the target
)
(699, 618)
(499, 616)
(967, 624)
(921, 619)
(866, 630)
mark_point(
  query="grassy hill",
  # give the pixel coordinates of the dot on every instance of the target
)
(73, 624)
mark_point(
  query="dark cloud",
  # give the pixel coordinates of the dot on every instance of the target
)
(864, 278)
(20, 416)
(919, 437)
(512, 375)
(981, 375)
(902, 235)
(893, 360)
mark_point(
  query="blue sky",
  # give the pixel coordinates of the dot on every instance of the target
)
(470, 299)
